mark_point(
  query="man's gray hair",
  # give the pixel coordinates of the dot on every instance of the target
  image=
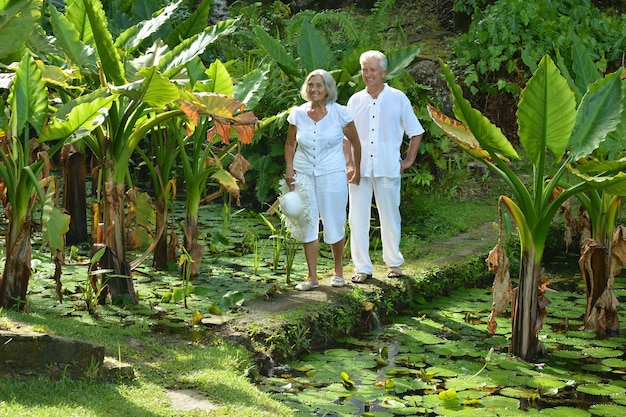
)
(367, 55)
(329, 83)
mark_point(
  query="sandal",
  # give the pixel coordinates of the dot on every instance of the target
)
(337, 281)
(394, 272)
(306, 286)
(360, 277)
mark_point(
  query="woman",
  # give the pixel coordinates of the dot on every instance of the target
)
(314, 156)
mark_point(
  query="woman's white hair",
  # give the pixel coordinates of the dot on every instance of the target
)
(329, 83)
(367, 55)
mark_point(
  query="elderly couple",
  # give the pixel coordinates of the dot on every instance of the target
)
(374, 123)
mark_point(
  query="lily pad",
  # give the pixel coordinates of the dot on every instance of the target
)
(607, 410)
(567, 354)
(518, 392)
(564, 412)
(547, 384)
(601, 352)
(614, 363)
(601, 389)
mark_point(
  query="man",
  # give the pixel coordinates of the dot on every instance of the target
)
(382, 115)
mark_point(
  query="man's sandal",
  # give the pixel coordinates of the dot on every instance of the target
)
(306, 286)
(360, 277)
(394, 272)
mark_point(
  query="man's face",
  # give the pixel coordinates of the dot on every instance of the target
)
(372, 73)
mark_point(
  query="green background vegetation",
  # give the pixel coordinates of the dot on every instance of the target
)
(493, 51)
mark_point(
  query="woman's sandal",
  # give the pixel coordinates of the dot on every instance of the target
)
(306, 286)
(337, 281)
(360, 277)
(394, 272)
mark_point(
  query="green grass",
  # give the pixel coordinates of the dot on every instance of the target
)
(200, 360)
(215, 369)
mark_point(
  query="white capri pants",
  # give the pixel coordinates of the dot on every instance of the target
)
(329, 199)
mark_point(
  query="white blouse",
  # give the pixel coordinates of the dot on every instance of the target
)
(320, 144)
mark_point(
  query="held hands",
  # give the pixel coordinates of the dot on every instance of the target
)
(354, 176)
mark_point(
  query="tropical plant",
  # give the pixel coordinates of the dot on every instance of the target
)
(202, 159)
(160, 159)
(603, 237)
(133, 94)
(24, 169)
(557, 136)
(504, 42)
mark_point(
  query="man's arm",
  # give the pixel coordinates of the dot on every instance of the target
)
(411, 154)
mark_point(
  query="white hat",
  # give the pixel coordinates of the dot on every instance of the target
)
(295, 206)
(291, 204)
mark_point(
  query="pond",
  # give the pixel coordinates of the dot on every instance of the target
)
(440, 360)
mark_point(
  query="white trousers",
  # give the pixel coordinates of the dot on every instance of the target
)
(386, 192)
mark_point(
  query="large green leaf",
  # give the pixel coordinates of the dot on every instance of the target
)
(546, 113)
(221, 81)
(110, 59)
(399, 59)
(252, 87)
(188, 49)
(313, 50)
(75, 13)
(486, 133)
(193, 25)
(150, 59)
(613, 184)
(54, 223)
(278, 53)
(615, 143)
(29, 97)
(460, 134)
(69, 39)
(584, 68)
(132, 37)
(599, 113)
(79, 117)
(17, 23)
(158, 91)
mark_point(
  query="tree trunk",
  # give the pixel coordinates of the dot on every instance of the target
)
(159, 256)
(527, 307)
(119, 281)
(601, 315)
(192, 247)
(16, 274)
(74, 171)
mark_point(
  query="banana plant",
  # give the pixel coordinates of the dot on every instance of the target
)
(202, 158)
(133, 94)
(555, 134)
(602, 237)
(603, 242)
(25, 178)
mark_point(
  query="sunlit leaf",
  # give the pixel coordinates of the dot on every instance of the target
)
(29, 97)
(17, 23)
(107, 52)
(546, 113)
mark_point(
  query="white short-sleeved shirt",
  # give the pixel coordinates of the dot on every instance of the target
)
(320, 144)
(381, 124)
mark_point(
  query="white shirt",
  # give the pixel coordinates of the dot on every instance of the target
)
(381, 124)
(320, 144)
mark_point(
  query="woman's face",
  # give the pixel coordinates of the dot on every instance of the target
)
(316, 89)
